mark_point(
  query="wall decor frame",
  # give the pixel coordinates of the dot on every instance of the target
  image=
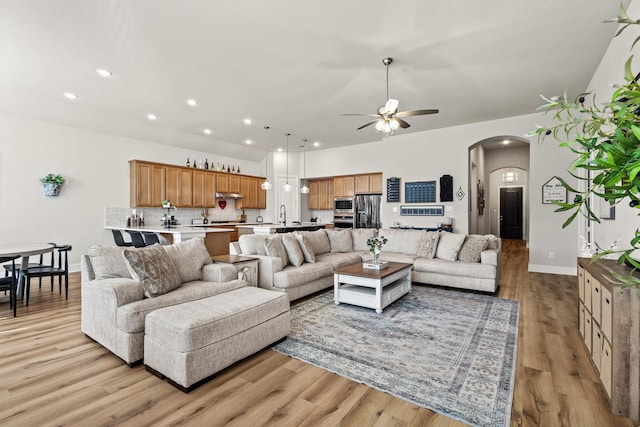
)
(553, 191)
(422, 210)
(420, 192)
(480, 197)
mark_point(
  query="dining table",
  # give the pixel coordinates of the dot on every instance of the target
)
(24, 250)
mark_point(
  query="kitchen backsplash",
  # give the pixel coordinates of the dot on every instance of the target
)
(117, 217)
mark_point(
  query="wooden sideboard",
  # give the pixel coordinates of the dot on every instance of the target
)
(609, 322)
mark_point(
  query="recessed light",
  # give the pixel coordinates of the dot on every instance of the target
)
(247, 121)
(152, 117)
(248, 142)
(280, 150)
(70, 95)
(506, 141)
(316, 144)
(192, 102)
(103, 73)
(207, 131)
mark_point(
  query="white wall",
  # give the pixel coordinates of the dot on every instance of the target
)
(97, 169)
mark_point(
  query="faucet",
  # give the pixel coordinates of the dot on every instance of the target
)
(283, 214)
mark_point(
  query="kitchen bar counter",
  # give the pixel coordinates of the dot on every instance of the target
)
(280, 228)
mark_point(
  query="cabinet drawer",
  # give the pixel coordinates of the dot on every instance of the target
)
(596, 300)
(581, 283)
(596, 346)
(587, 291)
(587, 331)
(581, 311)
(607, 313)
(606, 366)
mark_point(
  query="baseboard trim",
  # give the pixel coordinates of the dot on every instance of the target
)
(552, 269)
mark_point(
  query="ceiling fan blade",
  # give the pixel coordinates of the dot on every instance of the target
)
(416, 113)
(391, 106)
(356, 114)
(402, 123)
(368, 124)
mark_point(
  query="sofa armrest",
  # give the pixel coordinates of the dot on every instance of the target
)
(267, 267)
(218, 272)
(118, 291)
(86, 269)
(490, 256)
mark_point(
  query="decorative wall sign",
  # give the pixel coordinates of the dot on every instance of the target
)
(420, 192)
(424, 210)
(480, 197)
(553, 191)
(393, 190)
(446, 188)
(460, 193)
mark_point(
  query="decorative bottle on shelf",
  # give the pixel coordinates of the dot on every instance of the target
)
(188, 163)
(206, 163)
(218, 167)
(195, 163)
(233, 170)
(228, 169)
(238, 169)
(223, 168)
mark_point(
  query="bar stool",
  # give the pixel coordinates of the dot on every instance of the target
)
(137, 239)
(119, 238)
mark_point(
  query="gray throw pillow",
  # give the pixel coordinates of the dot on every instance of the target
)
(340, 240)
(449, 245)
(107, 262)
(291, 246)
(305, 247)
(274, 247)
(428, 245)
(153, 268)
(318, 240)
(360, 237)
(189, 257)
(472, 247)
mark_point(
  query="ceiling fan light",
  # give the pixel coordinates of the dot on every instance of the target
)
(394, 124)
(387, 127)
(380, 125)
(266, 185)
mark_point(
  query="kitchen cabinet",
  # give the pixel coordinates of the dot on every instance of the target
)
(368, 184)
(344, 186)
(147, 184)
(249, 189)
(204, 189)
(179, 186)
(609, 323)
(222, 183)
(321, 194)
(234, 183)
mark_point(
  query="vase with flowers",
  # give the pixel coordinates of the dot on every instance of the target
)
(375, 247)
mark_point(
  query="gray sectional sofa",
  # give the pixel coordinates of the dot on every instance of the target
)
(438, 258)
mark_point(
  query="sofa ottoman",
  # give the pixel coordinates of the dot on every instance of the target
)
(188, 343)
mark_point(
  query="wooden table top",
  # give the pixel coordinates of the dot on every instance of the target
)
(232, 259)
(359, 271)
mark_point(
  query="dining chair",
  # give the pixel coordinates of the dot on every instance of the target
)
(119, 238)
(59, 269)
(151, 238)
(137, 239)
(9, 283)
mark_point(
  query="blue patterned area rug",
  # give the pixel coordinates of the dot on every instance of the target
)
(448, 351)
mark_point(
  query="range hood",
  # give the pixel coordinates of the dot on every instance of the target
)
(230, 195)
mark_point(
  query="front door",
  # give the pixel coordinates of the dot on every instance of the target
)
(511, 213)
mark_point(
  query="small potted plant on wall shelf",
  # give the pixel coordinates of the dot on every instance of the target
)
(51, 184)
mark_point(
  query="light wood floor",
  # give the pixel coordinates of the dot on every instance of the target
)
(51, 374)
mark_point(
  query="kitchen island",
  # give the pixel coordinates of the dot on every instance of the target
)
(215, 239)
(281, 228)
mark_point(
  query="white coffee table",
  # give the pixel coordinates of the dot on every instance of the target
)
(371, 288)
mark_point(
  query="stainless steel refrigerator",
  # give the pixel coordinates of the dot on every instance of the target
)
(368, 211)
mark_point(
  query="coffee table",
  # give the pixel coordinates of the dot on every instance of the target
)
(371, 288)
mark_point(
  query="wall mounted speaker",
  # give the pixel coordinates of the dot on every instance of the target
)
(446, 188)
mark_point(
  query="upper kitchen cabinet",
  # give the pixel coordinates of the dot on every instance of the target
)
(222, 182)
(254, 196)
(147, 184)
(368, 184)
(321, 194)
(204, 189)
(344, 186)
(179, 186)
(234, 183)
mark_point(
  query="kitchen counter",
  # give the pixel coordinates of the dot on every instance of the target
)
(279, 228)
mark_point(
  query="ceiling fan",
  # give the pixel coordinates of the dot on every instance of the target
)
(388, 118)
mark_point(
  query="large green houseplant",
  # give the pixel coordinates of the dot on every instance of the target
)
(606, 141)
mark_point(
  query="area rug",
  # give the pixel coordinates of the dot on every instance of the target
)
(448, 351)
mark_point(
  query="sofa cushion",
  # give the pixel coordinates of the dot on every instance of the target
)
(305, 247)
(428, 245)
(455, 268)
(189, 257)
(449, 245)
(318, 240)
(108, 262)
(494, 242)
(252, 244)
(402, 241)
(340, 240)
(360, 236)
(397, 257)
(291, 246)
(152, 267)
(340, 259)
(273, 246)
(472, 247)
(291, 277)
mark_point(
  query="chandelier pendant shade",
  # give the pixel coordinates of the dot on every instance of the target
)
(287, 187)
(304, 189)
(266, 185)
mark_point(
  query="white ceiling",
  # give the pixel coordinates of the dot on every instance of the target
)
(293, 65)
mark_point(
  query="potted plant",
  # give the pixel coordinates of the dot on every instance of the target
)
(375, 247)
(606, 141)
(51, 184)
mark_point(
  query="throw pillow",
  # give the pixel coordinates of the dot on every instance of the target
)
(428, 245)
(153, 268)
(340, 240)
(449, 245)
(291, 246)
(360, 237)
(472, 247)
(107, 262)
(273, 247)
(189, 257)
(305, 247)
(319, 241)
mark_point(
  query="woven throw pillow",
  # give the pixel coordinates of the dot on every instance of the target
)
(449, 245)
(428, 245)
(472, 247)
(305, 247)
(107, 262)
(273, 246)
(340, 240)
(291, 246)
(152, 267)
(189, 257)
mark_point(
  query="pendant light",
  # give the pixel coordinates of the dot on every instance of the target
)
(266, 185)
(304, 189)
(287, 187)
